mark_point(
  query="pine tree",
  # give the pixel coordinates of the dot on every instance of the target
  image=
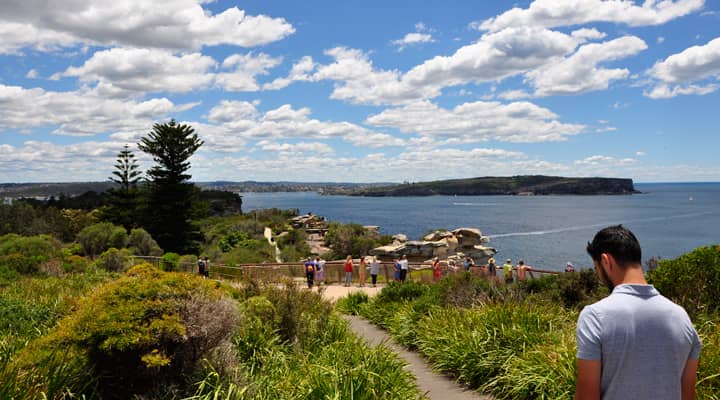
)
(126, 171)
(172, 200)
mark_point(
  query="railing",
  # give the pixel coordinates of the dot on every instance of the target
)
(334, 270)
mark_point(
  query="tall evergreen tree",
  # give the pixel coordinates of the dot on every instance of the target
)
(124, 200)
(126, 173)
(172, 200)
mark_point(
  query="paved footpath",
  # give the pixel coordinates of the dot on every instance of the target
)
(435, 386)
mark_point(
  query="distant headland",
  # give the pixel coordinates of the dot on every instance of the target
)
(490, 185)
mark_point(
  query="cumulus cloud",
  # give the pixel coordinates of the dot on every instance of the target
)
(412, 39)
(493, 57)
(296, 149)
(246, 68)
(173, 24)
(77, 113)
(556, 13)
(478, 121)
(132, 70)
(600, 160)
(580, 73)
(300, 72)
(679, 73)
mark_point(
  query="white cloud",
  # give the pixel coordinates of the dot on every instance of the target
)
(580, 73)
(171, 24)
(295, 149)
(640, 153)
(247, 68)
(494, 57)
(32, 74)
(374, 140)
(479, 121)
(300, 72)
(412, 39)
(668, 92)
(77, 113)
(600, 160)
(556, 13)
(661, 39)
(132, 70)
(691, 65)
(514, 95)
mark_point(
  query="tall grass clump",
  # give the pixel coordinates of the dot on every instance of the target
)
(352, 302)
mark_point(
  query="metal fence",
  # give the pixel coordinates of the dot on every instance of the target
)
(334, 270)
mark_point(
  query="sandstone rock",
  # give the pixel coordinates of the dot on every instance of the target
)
(399, 238)
(437, 235)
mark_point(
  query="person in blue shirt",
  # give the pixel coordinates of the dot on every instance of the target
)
(310, 272)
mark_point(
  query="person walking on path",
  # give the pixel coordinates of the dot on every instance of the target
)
(362, 268)
(635, 343)
(508, 271)
(374, 269)
(523, 270)
(319, 270)
(348, 270)
(310, 272)
(436, 270)
(404, 267)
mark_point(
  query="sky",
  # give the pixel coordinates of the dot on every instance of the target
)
(364, 91)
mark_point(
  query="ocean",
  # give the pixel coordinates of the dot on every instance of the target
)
(546, 231)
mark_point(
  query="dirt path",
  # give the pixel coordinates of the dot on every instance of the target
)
(434, 385)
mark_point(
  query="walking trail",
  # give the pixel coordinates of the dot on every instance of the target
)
(434, 385)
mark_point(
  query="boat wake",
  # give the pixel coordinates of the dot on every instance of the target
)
(475, 204)
(604, 224)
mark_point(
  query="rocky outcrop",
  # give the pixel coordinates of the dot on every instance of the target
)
(456, 244)
(309, 221)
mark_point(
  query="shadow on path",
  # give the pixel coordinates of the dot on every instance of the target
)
(435, 386)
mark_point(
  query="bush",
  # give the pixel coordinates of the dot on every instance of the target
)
(146, 330)
(99, 237)
(142, 244)
(351, 304)
(352, 239)
(573, 290)
(691, 280)
(25, 254)
(400, 291)
(114, 260)
(171, 262)
(73, 264)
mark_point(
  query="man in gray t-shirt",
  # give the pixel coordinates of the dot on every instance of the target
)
(634, 344)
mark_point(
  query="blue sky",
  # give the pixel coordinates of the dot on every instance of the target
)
(364, 91)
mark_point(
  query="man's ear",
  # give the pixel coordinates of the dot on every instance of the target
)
(607, 261)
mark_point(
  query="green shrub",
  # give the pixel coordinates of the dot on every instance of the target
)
(99, 237)
(573, 290)
(114, 260)
(73, 264)
(351, 304)
(691, 280)
(148, 329)
(400, 291)
(171, 261)
(708, 384)
(24, 254)
(352, 239)
(141, 243)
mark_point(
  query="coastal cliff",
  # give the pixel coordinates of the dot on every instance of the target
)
(515, 185)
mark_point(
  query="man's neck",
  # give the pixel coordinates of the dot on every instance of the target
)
(633, 275)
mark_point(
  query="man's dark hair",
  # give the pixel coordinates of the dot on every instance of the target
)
(617, 241)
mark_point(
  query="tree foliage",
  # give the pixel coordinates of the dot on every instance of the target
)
(97, 238)
(126, 172)
(172, 201)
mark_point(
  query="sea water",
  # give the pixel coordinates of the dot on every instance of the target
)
(545, 231)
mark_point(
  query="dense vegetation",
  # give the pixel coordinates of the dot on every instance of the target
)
(518, 342)
(150, 334)
(535, 184)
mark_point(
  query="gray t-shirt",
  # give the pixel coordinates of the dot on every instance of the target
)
(643, 340)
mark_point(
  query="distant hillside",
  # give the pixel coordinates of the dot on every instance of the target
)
(515, 185)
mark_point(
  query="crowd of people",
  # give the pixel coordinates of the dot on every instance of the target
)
(315, 270)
